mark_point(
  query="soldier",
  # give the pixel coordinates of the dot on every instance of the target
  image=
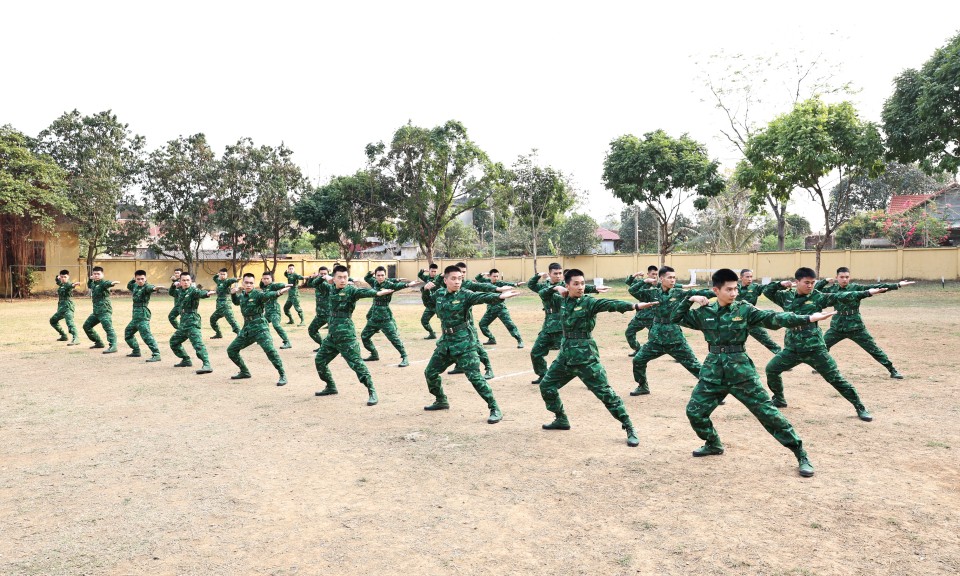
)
(665, 335)
(728, 370)
(380, 317)
(140, 322)
(223, 310)
(174, 292)
(848, 323)
(458, 343)
(433, 278)
(750, 292)
(804, 344)
(552, 330)
(65, 308)
(579, 356)
(320, 282)
(255, 329)
(498, 310)
(293, 296)
(643, 318)
(468, 284)
(190, 321)
(102, 311)
(272, 307)
(342, 336)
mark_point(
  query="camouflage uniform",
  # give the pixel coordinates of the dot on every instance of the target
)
(728, 370)
(175, 311)
(102, 314)
(551, 333)
(322, 293)
(380, 317)
(579, 356)
(293, 296)
(751, 294)
(429, 310)
(255, 329)
(272, 312)
(848, 323)
(481, 351)
(642, 319)
(223, 310)
(65, 310)
(140, 323)
(665, 335)
(804, 344)
(189, 326)
(458, 344)
(498, 310)
(342, 337)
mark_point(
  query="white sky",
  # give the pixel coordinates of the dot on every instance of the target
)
(563, 77)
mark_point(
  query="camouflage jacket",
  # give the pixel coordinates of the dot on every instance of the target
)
(848, 317)
(578, 317)
(321, 288)
(223, 287)
(456, 321)
(807, 338)
(295, 279)
(665, 329)
(272, 307)
(252, 304)
(635, 286)
(499, 303)
(100, 290)
(426, 296)
(190, 304)
(65, 294)
(381, 304)
(141, 299)
(749, 294)
(174, 292)
(551, 307)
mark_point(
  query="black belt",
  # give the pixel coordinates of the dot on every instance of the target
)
(805, 327)
(253, 317)
(456, 328)
(727, 349)
(659, 320)
(381, 301)
(578, 335)
(848, 313)
(339, 314)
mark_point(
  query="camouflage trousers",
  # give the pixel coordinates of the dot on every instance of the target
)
(105, 318)
(319, 321)
(140, 326)
(172, 317)
(386, 325)
(818, 359)
(293, 301)
(341, 345)
(544, 344)
(637, 323)
(863, 339)
(652, 350)
(428, 313)
(224, 310)
(255, 333)
(464, 356)
(501, 313)
(189, 330)
(593, 375)
(274, 319)
(762, 336)
(64, 313)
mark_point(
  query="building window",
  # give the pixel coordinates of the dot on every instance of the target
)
(39, 260)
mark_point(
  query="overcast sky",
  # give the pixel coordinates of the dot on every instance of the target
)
(565, 78)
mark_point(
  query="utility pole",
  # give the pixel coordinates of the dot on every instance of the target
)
(636, 230)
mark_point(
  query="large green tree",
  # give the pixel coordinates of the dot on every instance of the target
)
(103, 161)
(233, 215)
(279, 185)
(922, 117)
(663, 173)
(539, 196)
(439, 173)
(807, 148)
(868, 194)
(181, 184)
(728, 224)
(458, 240)
(578, 235)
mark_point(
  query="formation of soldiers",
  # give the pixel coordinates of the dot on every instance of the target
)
(726, 314)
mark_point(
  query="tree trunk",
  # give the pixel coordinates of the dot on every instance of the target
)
(428, 253)
(91, 258)
(781, 229)
(533, 235)
(664, 243)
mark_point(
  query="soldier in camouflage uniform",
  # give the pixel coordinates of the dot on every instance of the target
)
(498, 311)
(750, 292)
(272, 307)
(174, 292)
(468, 284)
(190, 322)
(848, 323)
(433, 277)
(579, 355)
(293, 296)
(342, 335)
(65, 308)
(140, 292)
(458, 343)
(320, 282)
(551, 333)
(804, 344)
(728, 370)
(380, 317)
(224, 309)
(102, 311)
(643, 318)
(665, 335)
(255, 329)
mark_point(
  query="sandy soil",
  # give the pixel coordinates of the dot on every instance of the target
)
(112, 466)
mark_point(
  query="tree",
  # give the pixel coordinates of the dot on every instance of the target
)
(181, 184)
(233, 215)
(439, 174)
(513, 239)
(796, 228)
(33, 193)
(728, 224)
(578, 235)
(867, 194)
(103, 160)
(458, 241)
(802, 148)
(538, 196)
(279, 186)
(863, 225)
(663, 173)
(349, 209)
(638, 229)
(922, 116)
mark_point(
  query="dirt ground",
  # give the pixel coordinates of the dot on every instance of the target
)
(109, 465)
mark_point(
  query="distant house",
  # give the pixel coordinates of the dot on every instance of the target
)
(945, 204)
(392, 250)
(609, 241)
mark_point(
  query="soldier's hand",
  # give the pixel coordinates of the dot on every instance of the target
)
(544, 274)
(234, 289)
(649, 281)
(788, 284)
(603, 289)
(906, 283)
(701, 300)
(821, 316)
(211, 292)
(830, 280)
(429, 286)
(506, 295)
(414, 283)
(874, 291)
(502, 288)
(641, 305)
(283, 290)
(385, 292)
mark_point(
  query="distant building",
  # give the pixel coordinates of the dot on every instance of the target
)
(391, 250)
(609, 241)
(945, 204)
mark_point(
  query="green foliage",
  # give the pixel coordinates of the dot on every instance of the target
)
(867, 194)
(32, 187)
(727, 224)
(917, 228)
(794, 225)
(302, 244)
(279, 186)
(663, 173)
(515, 240)
(647, 222)
(233, 214)
(458, 240)
(922, 116)
(539, 196)
(578, 235)
(771, 243)
(863, 225)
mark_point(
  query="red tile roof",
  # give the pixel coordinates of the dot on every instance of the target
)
(605, 234)
(905, 202)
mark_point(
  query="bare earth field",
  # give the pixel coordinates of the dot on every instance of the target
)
(109, 465)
